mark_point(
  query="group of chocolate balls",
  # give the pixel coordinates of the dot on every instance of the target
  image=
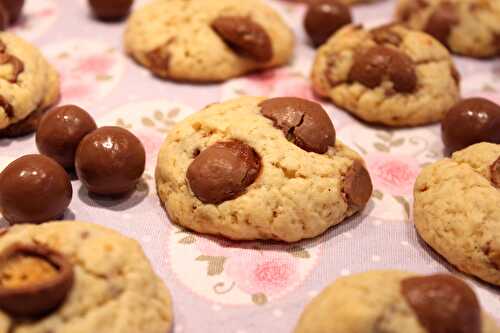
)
(108, 161)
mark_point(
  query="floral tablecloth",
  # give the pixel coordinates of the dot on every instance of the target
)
(217, 285)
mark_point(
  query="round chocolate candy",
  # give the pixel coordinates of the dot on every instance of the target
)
(324, 18)
(371, 66)
(223, 171)
(110, 10)
(14, 7)
(358, 187)
(34, 189)
(443, 303)
(471, 121)
(303, 122)
(441, 22)
(4, 17)
(245, 36)
(34, 280)
(61, 130)
(110, 161)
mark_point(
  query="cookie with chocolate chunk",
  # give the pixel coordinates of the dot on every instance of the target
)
(395, 301)
(53, 273)
(467, 27)
(457, 210)
(210, 40)
(30, 86)
(388, 75)
(252, 168)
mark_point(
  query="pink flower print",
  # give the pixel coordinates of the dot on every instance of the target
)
(294, 87)
(45, 12)
(213, 247)
(97, 64)
(279, 83)
(393, 174)
(72, 91)
(268, 273)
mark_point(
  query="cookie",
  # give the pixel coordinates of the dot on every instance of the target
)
(345, 2)
(78, 277)
(466, 27)
(206, 41)
(252, 168)
(389, 75)
(394, 302)
(457, 211)
(29, 85)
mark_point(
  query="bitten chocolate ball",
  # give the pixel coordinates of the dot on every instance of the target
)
(471, 121)
(60, 132)
(110, 161)
(14, 7)
(34, 189)
(110, 10)
(324, 18)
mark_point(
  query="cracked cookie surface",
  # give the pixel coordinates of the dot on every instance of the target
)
(467, 27)
(115, 289)
(375, 302)
(389, 75)
(457, 211)
(210, 40)
(297, 194)
(28, 83)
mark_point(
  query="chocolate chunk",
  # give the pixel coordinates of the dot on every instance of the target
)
(303, 122)
(441, 22)
(223, 171)
(471, 121)
(370, 68)
(34, 189)
(14, 7)
(34, 280)
(386, 35)
(358, 186)
(110, 10)
(455, 74)
(7, 107)
(110, 161)
(244, 36)
(443, 304)
(323, 18)
(6, 58)
(495, 173)
(61, 130)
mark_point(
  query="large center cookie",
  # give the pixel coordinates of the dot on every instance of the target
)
(457, 210)
(28, 86)
(396, 302)
(389, 75)
(68, 277)
(253, 168)
(468, 27)
(209, 40)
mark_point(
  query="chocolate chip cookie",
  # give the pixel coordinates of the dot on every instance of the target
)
(457, 211)
(253, 168)
(388, 75)
(467, 27)
(211, 40)
(78, 277)
(30, 85)
(394, 302)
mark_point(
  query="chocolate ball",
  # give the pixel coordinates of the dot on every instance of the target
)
(4, 17)
(443, 303)
(471, 121)
(60, 132)
(324, 18)
(223, 171)
(110, 161)
(303, 122)
(14, 7)
(34, 189)
(110, 10)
